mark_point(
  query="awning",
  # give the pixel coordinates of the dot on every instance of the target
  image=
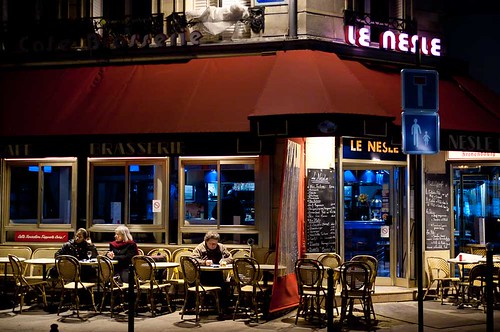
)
(218, 95)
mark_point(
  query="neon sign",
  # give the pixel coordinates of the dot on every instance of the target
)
(389, 40)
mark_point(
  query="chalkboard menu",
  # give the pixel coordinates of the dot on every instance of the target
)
(437, 212)
(320, 213)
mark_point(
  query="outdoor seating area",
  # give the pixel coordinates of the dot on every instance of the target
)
(462, 280)
(168, 281)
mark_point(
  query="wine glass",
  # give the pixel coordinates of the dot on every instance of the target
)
(89, 254)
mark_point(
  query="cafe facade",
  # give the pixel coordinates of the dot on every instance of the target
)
(304, 131)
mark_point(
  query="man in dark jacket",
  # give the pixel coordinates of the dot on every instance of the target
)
(78, 248)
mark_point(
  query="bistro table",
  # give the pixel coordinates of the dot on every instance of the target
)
(461, 260)
(163, 266)
(42, 261)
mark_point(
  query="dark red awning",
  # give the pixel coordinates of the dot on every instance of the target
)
(219, 95)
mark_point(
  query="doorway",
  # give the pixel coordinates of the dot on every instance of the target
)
(373, 197)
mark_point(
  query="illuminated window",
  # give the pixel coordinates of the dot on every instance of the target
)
(41, 192)
(218, 194)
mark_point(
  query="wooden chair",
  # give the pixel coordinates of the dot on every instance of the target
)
(25, 285)
(355, 281)
(145, 281)
(109, 284)
(69, 269)
(438, 271)
(309, 273)
(333, 261)
(247, 276)
(476, 285)
(192, 285)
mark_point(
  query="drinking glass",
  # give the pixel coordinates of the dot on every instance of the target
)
(89, 254)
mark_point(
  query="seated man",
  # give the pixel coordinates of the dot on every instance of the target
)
(78, 247)
(209, 252)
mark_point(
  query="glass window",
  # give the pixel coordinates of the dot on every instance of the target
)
(41, 193)
(217, 194)
(129, 191)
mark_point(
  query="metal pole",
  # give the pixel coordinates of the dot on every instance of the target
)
(489, 287)
(131, 298)
(329, 301)
(418, 239)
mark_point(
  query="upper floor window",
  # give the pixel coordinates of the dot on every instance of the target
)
(41, 192)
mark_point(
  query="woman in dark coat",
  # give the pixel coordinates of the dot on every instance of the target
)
(122, 250)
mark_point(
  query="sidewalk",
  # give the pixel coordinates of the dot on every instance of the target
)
(392, 316)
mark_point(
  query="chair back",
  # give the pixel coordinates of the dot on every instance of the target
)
(355, 277)
(106, 270)
(190, 271)
(160, 253)
(17, 270)
(477, 275)
(140, 251)
(45, 252)
(176, 257)
(437, 267)
(68, 268)
(332, 261)
(270, 257)
(246, 272)
(240, 253)
(19, 251)
(373, 265)
(309, 274)
(144, 269)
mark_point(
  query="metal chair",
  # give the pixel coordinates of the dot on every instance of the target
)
(373, 265)
(355, 280)
(109, 283)
(25, 285)
(247, 276)
(333, 261)
(240, 253)
(309, 273)
(161, 254)
(176, 278)
(68, 268)
(438, 271)
(192, 285)
(145, 281)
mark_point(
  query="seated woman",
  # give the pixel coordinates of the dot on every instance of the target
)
(122, 250)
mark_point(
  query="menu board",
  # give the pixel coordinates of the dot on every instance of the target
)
(437, 212)
(320, 213)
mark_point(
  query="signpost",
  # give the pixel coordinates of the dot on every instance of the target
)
(420, 131)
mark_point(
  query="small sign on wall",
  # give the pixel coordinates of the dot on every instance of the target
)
(36, 236)
(384, 231)
(156, 205)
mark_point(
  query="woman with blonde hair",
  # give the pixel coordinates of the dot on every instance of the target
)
(122, 249)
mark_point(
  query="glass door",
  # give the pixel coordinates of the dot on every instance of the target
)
(476, 192)
(373, 217)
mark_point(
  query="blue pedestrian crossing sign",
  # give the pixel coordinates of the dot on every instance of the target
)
(420, 132)
(419, 90)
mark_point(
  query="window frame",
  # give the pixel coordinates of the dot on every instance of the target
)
(164, 195)
(221, 229)
(40, 162)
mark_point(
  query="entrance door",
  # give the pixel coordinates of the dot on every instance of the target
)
(476, 191)
(373, 217)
